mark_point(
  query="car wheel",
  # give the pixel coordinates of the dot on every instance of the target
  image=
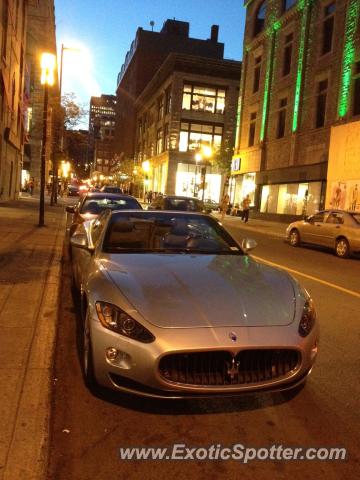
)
(87, 357)
(294, 237)
(342, 248)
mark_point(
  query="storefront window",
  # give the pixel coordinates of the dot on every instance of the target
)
(189, 182)
(291, 199)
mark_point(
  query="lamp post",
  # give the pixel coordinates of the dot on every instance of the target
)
(198, 158)
(207, 152)
(48, 62)
(55, 164)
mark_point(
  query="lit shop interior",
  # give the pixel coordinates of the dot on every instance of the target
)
(189, 181)
(240, 186)
(291, 199)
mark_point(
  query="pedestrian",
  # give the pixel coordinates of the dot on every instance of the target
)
(150, 196)
(31, 186)
(224, 205)
(245, 205)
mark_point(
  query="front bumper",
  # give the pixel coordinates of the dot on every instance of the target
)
(135, 370)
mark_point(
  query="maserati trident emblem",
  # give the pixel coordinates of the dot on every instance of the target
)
(233, 336)
(233, 370)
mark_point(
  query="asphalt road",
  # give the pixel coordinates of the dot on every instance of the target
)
(88, 430)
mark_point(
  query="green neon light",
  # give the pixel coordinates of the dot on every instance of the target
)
(238, 117)
(348, 56)
(274, 26)
(302, 5)
(266, 91)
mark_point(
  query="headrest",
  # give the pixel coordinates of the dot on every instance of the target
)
(123, 226)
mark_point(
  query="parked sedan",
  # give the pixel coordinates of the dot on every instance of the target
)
(92, 204)
(336, 229)
(72, 190)
(111, 189)
(176, 202)
(174, 307)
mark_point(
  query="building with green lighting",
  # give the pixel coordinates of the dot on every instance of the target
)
(299, 99)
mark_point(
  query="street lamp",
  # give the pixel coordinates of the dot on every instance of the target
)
(48, 64)
(146, 169)
(55, 163)
(198, 158)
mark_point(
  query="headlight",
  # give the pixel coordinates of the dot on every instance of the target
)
(118, 321)
(308, 318)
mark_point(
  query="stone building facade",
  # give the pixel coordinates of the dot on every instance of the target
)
(300, 78)
(189, 105)
(41, 37)
(13, 17)
(147, 53)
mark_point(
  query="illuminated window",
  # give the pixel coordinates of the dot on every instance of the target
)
(159, 141)
(260, 19)
(328, 28)
(321, 103)
(193, 136)
(281, 118)
(287, 54)
(166, 137)
(205, 99)
(29, 115)
(257, 73)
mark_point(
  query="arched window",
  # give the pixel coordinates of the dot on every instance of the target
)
(260, 19)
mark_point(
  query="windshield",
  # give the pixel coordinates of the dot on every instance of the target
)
(95, 205)
(167, 233)
(184, 204)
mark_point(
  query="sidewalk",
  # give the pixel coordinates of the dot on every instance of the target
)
(30, 274)
(275, 229)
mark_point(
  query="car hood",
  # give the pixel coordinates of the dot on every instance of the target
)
(182, 291)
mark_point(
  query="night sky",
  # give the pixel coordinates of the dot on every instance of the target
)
(104, 30)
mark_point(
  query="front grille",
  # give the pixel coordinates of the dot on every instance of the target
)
(222, 368)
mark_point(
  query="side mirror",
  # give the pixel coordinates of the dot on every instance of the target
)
(70, 209)
(79, 240)
(248, 244)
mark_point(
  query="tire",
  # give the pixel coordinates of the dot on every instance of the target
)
(342, 248)
(87, 356)
(294, 238)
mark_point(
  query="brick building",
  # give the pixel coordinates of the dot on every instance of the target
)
(190, 104)
(41, 37)
(101, 133)
(300, 80)
(148, 51)
(12, 63)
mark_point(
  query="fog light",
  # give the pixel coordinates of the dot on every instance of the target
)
(111, 353)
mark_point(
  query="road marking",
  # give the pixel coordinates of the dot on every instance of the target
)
(310, 277)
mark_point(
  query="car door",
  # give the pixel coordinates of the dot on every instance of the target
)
(313, 229)
(332, 227)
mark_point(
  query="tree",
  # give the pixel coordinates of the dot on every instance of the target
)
(74, 112)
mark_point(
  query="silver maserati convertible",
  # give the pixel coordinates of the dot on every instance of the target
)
(174, 307)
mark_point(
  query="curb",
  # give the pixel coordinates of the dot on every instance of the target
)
(28, 453)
